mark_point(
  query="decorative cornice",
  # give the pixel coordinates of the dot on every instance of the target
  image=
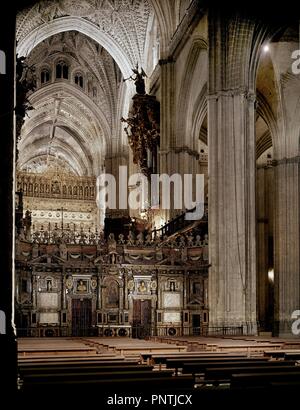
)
(187, 150)
(249, 95)
(179, 150)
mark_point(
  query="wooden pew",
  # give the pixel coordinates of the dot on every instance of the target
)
(162, 358)
(197, 368)
(129, 384)
(81, 376)
(55, 351)
(76, 369)
(221, 373)
(292, 355)
(51, 358)
(251, 347)
(106, 362)
(274, 353)
(180, 363)
(284, 353)
(263, 380)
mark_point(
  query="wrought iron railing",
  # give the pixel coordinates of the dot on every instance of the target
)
(225, 331)
(178, 223)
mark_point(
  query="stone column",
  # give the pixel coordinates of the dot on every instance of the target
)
(287, 243)
(231, 171)
(167, 161)
(286, 153)
(232, 274)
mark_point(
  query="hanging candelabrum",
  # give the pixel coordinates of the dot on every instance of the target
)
(143, 126)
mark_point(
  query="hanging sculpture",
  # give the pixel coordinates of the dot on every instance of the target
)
(143, 129)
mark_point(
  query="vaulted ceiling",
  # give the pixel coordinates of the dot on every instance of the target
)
(118, 25)
(100, 39)
(69, 121)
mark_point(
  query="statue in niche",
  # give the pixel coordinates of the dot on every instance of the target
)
(55, 189)
(138, 79)
(49, 285)
(172, 285)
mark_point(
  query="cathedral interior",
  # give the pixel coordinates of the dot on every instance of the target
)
(100, 95)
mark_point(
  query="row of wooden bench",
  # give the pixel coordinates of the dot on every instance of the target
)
(107, 375)
(113, 373)
(237, 372)
(230, 344)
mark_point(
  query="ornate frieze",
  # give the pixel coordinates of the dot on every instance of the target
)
(57, 184)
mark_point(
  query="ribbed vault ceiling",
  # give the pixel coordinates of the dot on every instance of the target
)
(103, 40)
